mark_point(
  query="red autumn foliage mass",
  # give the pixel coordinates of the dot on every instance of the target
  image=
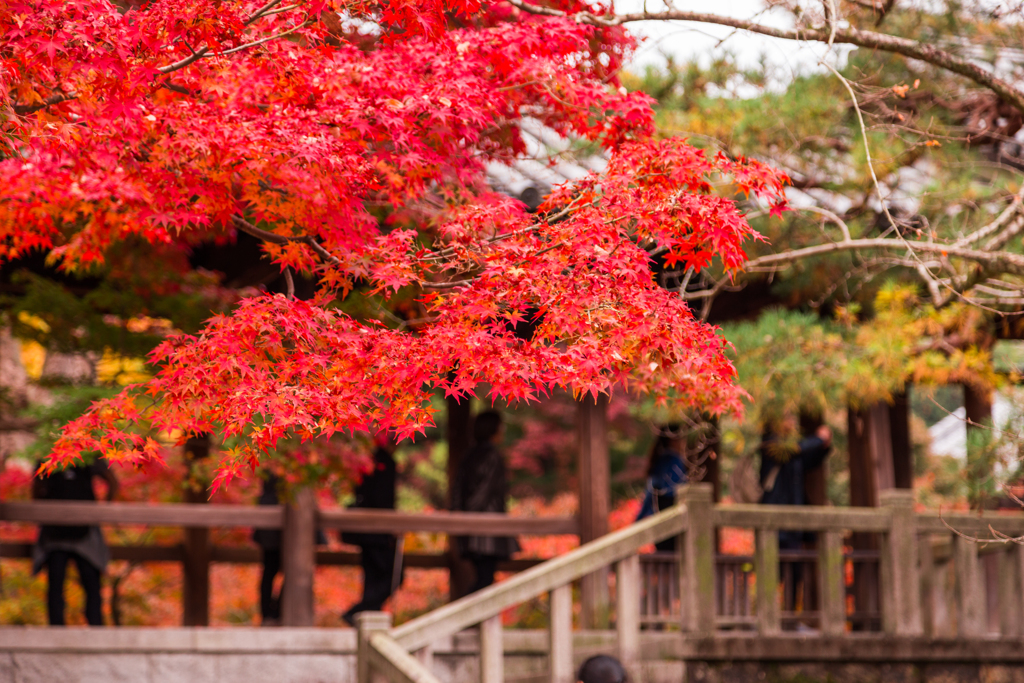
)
(352, 138)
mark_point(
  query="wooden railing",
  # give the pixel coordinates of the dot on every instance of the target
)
(915, 575)
(300, 522)
(714, 592)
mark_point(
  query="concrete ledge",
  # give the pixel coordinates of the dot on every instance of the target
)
(235, 640)
(848, 648)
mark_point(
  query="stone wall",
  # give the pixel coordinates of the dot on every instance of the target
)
(287, 655)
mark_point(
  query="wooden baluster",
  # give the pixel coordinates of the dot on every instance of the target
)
(766, 564)
(560, 635)
(492, 651)
(299, 559)
(1011, 591)
(832, 579)
(368, 623)
(627, 606)
(926, 572)
(970, 604)
(901, 609)
(698, 568)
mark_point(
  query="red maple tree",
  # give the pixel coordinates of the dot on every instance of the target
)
(184, 121)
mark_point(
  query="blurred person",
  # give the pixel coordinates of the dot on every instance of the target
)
(379, 554)
(665, 472)
(784, 467)
(269, 541)
(602, 669)
(480, 485)
(84, 545)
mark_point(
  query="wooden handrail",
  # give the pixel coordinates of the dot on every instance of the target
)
(395, 663)
(456, 523)
(153, 514)
(559, 571)
(271, 517)
(802, 518)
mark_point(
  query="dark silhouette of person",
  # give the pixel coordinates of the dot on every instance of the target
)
(480, 486)
(378, 552)
(665, 471)
(602, 669)
(269, 541)
(84, 545)
(784, 470)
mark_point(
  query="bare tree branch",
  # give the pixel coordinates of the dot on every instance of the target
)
(926, 52)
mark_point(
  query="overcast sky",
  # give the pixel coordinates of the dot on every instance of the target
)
(689, 40)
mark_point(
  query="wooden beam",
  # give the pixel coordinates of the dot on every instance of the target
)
(902, 446)
(790, 517)
(456, 523)
(271, 517)
(298, 558)
(153, 514)
(594, 489)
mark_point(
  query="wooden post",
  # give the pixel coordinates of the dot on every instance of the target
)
(560, 635)
(195, 593)
(627, 611)
(368, 623)
(594, 486)
(1011, 591)
(492, 651)
(298, 558)
(901, 609)
(697, 574)
(766, 564)
(460, 570)
(832, 580)
(970, 605)
(902, 447)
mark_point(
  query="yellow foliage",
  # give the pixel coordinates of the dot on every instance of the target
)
(33, 355)
(114, 368)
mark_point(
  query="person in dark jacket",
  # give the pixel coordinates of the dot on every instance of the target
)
(269, 541)
(378, 552)
(84, 545)
(665, 472)
(784, 472)
(783, 479)
(480, 486)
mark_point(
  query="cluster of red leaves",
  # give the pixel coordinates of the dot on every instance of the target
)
(179, 121)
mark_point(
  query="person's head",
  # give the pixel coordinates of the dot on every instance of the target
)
(487, 426)
(602, 669)
(667, 440)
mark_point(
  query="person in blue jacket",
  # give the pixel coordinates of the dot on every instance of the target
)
(666, 470)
